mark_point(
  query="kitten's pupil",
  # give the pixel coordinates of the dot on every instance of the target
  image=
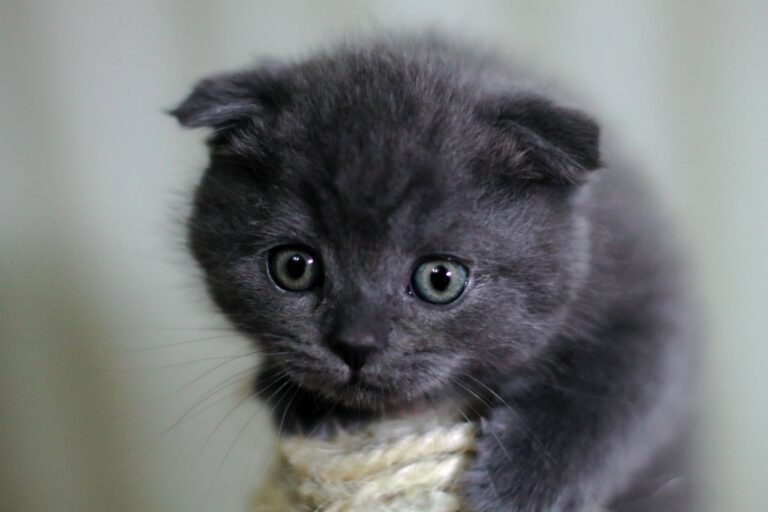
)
(440, 278)
(295, 266)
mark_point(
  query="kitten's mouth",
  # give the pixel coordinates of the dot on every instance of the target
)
(392, 404)
(374, 393)
(358, 393)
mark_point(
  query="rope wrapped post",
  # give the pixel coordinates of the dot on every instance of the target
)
(406, 465)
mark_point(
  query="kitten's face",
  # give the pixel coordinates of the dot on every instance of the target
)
(339, 271)
(374, 249)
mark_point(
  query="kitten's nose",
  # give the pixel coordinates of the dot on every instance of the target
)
(354, 351)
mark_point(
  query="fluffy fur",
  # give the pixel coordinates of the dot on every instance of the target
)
(568, 346)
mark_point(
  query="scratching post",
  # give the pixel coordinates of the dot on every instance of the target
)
(404, 465)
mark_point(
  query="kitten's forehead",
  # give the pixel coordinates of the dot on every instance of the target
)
(377, 212)
(373, 187)
(418, 215)
(377, 171)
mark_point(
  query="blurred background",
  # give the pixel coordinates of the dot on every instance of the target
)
(121, 390)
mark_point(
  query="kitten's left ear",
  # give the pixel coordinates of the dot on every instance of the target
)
(227, 100)
(547, 142)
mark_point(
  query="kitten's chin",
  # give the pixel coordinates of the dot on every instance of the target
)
(417, 407)
(417, 403)
(365, 396)
(394, 405)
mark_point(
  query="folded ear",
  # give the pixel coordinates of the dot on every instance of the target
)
(226, 100)
(545, 141)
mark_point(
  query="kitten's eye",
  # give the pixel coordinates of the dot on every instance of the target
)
(294, 269)
(439, 280)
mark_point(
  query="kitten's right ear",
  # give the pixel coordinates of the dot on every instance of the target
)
(227, 100)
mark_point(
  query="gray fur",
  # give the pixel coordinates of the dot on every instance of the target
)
(568, 346)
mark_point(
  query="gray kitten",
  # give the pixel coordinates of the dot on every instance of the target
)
(402, 224)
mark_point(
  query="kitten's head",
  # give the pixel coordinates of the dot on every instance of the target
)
(385, 220)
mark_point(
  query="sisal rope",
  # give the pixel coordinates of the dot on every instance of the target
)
(393, 466)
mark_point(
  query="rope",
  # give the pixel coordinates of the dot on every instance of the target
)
(393, 466)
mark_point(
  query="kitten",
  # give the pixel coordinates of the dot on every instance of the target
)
(402, 224)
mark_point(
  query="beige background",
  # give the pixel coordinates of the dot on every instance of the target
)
(93, 180)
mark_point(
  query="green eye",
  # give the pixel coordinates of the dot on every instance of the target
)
(294, 269)
(439, 280)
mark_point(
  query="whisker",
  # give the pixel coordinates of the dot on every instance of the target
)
(456, 407)
(487, 472)
(285, 412)
(538, 444)
(226, 455)
(486, 425)
(208, 372)
(229, 381)
(178, 343)
(142, 406)
(187, 416)
(471, 392)
(220, 423)
(175, 365)
(325, 418)
(166, 328)
(494, 393)
(582, 393)
(272, 410)
(254, 393)
(250, 462)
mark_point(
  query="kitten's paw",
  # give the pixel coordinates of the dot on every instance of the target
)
(511, 473)
(478, 491)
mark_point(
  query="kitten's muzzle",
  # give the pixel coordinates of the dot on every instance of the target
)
(359, 331)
